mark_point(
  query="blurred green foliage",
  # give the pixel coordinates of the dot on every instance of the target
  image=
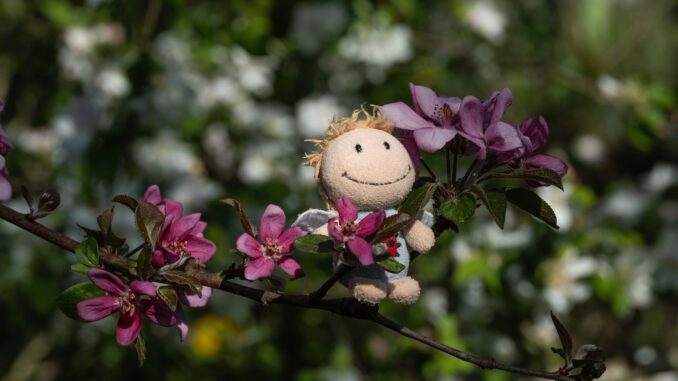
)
(214, 99)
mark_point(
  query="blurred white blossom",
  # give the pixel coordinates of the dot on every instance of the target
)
(486, 19)
(565, 282)
(315, 23)
(661, 177)
(589, 148)
(112, 82)
(218, 146)
(315, 113)
(377, 44)
(167, 156)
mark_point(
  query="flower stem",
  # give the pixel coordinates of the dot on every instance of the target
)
(428, 169)
(447, 161)
(456, 158)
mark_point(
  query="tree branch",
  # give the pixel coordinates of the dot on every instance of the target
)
(348, 307)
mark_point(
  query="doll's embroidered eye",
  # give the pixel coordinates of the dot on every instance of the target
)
(388, 146)
(358, 148)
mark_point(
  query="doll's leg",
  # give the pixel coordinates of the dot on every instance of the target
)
(366, 290)
(403, 290)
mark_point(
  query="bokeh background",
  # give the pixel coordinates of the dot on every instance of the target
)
(213, 99)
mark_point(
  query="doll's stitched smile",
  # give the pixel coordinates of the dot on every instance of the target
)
(409, 169)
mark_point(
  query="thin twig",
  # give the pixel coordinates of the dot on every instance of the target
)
(348, 307)
(463, 181)
(325, 287)
(135, 250)
(430, 171)
(447, 163)
(454, 163)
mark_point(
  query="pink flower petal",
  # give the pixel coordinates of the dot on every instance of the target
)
(246, 244)
(548, 162)
(191, 299)
(371, 223)
(182, 325)
(333, 229)
(471, 116)
(498, 104)
(199, 228)
(433, 139)
(129, 327)
(5, 189)
(107, 281)
(158, 312)
(347, 212)
(272, 222)
(362, 250)
(426, 99)
(406, 138)
(152, 195)
(173, 209)
(142, 287)
(97, 308)
(286, 239)
(291, 267)
(200, 248)
(183, 227)
(402, 116)
(261, 267)
(502, 137)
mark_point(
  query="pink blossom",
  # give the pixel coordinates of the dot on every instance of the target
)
(127, 300)
(274, 246)
(180, 235)
(432, 121)
(346, 230)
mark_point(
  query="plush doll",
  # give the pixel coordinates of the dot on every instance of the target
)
(359, 158)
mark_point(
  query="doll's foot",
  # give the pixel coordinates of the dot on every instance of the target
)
(404, 290)
(369, 291)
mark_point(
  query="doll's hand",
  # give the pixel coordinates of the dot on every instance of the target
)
(419, 237)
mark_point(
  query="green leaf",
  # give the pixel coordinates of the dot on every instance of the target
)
(392, 225)
(245, 221)
(87, 252)
(70, 297)
(564, 335)
(417, 200)
(104, 220)
(541, 175)
(144, 262)
(140, 346)
(128, 201)
(181, 278)
(314, 243)
(530, 202)
(459, 210)
(169, 296)
(80, 268)
(494, 201)
(388, 263)
(149, 221)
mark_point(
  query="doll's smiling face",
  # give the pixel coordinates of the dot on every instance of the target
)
(369, 166)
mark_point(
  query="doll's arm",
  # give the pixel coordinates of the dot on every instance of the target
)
(419, 237)
(322, 230)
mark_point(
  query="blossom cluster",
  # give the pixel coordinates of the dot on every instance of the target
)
(181, 238)
(5, 146)
(434, 121)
